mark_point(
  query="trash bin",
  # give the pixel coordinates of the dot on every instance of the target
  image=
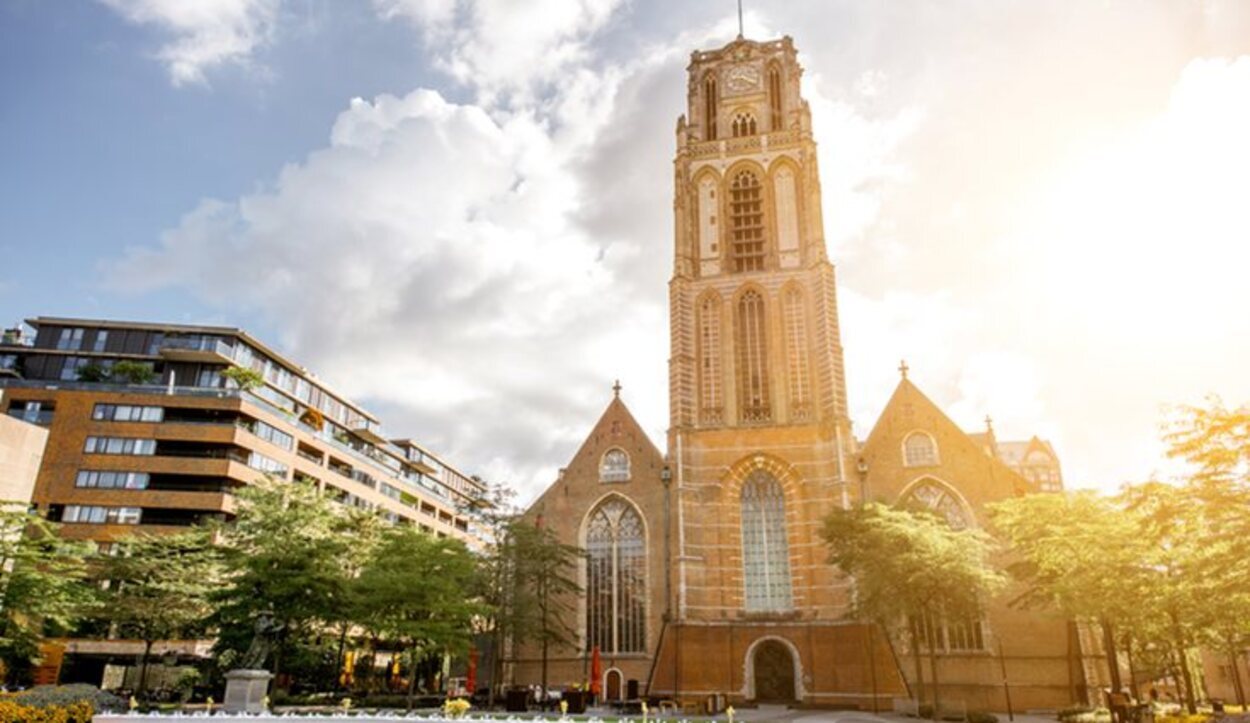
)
(1217, 705)
(576, 700)
(515, 700)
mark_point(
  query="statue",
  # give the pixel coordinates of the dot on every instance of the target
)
(265, 633)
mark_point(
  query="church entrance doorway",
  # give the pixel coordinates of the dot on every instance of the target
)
(774, 673)
(612, 690)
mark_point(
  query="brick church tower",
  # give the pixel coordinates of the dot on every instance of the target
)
(759, 442)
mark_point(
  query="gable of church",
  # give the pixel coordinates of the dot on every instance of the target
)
(915, 449)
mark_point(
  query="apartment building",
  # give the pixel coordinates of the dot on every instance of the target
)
(148, 430)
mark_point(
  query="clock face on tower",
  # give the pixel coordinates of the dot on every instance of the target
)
(742, 78)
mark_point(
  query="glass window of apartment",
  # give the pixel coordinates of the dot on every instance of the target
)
(120, 445)
(127, 413)
(258, 461)
(273, 435)
(101, 340)
(210, 378)
(95, 514)
(69, 372)
(155, 342)
(112, 480)
(71, 338)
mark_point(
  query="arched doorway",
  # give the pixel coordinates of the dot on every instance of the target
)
(774, 673)
(612, 685)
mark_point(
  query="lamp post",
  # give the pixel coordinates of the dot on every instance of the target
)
(666, 479)
(861, 466)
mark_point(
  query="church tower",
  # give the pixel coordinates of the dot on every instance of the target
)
(759, 439)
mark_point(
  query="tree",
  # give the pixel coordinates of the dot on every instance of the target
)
(546, 588)
(245, 379)
(911, 567)
(160, 588)
(285, 553)
(92, 372)
(412, 592)
(40, 587)
(1215, 442)
(133, 372)
(1081, 553)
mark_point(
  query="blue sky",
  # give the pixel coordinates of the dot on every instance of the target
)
(1039, 205)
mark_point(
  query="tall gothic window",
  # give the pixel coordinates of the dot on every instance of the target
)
(774, 97)
(752, 359)
(743, 125)
(796, 355)
(709, 106)
(746, 222)
(765, 552)
(709, 361)
(616, 579)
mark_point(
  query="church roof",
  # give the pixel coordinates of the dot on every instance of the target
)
(909, 409)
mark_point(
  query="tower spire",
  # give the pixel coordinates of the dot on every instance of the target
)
(740, 19)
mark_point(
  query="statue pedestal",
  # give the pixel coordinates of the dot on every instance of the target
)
(246, 691)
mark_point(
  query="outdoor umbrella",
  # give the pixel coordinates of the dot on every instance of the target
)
(596, 672)
(470, 678)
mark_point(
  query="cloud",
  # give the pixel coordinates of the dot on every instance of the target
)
(508, 51)
(206, 33)
(479, 273)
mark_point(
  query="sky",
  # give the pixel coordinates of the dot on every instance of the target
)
(458, 212)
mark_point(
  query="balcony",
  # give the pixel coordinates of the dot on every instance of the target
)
(207, 349)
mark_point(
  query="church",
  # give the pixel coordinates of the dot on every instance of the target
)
(705, 575)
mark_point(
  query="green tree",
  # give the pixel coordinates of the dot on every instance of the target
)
(284, 552)
(245, 379)
(1081, 553)
(910, 567)
(134, 372)
(1215, 443)
(160, 588)
(41, 587)
(412, 593)
(92, 372)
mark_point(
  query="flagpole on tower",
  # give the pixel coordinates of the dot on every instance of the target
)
(740, 19)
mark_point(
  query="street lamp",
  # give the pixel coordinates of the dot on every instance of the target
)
(861, 466)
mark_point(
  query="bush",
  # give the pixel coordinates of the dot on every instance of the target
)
(134, 372)
(12, 711)
(44, 696)
(980, 716)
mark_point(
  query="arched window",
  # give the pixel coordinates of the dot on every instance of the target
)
(709, 361)
(752, 359)
(796, 355)
(746, 222)
(938, 499)
(709, 106)
(765, 551)
(614, 467)
(774, 97)
(919, 450)
(616, 579)
(743, 125)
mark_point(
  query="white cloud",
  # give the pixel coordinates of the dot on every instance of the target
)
(506, 50)
(206, 33)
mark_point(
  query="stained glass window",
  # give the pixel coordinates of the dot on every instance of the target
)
(616, 579)
(940, 501)
(765, 551)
